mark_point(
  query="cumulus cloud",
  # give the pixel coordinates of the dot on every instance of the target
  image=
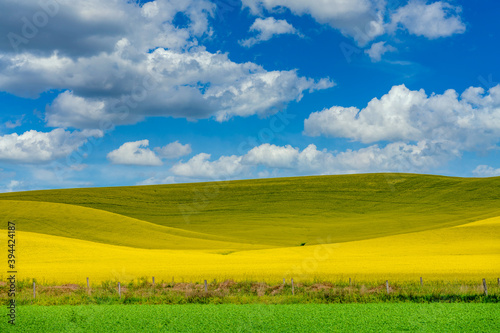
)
(119, 68)
(360, 19)
(435, 20)
(38, 147)
(393, 157)
(174, 150)
(68, 110)
(469, 121)
(200, 166)
(94, 26)
(272, 156)
(376, 51)
(134, 153)
(266, 29)
(486, 171)
(364, 20)
(194, 84)
(288, 160)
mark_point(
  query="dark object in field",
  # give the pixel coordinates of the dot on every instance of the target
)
(302, 244)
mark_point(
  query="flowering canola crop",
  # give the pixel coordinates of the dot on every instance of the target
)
(462, 252)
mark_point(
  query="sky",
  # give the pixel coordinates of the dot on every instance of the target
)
(116, 93)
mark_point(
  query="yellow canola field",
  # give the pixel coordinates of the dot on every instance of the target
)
(469, 251)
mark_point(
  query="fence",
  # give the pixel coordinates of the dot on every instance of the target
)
(327, 285)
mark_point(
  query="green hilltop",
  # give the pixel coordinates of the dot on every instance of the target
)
(259, 213)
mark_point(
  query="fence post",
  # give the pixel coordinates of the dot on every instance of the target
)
(421, 282)
(485, 287)
(284, 281)
(206, 287)
(349, 282)
(153, 281)
(119, 290)
(293, 288)
(88, 286)
(387, 285)
(34, 289)
(498, 280)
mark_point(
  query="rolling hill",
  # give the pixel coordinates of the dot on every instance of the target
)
(372, 224)
(470, 251)
(279, 212)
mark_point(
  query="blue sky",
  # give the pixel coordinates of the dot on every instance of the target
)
(110, 93)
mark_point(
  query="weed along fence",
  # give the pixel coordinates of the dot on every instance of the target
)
(149, 290)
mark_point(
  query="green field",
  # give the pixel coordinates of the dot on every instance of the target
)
(260, 318)
(262, 213)
(246, 236)
(369, 227)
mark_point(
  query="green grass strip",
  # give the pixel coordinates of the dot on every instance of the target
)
(259, 318)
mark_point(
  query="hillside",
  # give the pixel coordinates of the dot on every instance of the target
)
(470, 251)
(373, 226)
(264, 212)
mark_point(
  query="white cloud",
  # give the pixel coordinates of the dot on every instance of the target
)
(89, 27)
(16, 123)
(109, 76)
(291, 161)
(138, 153)
(393, 157)
(469, 121)
(200, 166)
(38, 147)
(486, 171)
(12, 186)
(364, 20)
(376, 51)
(68, 110)
(158, 181)
(194, 84)
(272, 156)
(438, 19)
(174, 150)
(134, 153)
(288, 160)
(360, 19)
(267, 29)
